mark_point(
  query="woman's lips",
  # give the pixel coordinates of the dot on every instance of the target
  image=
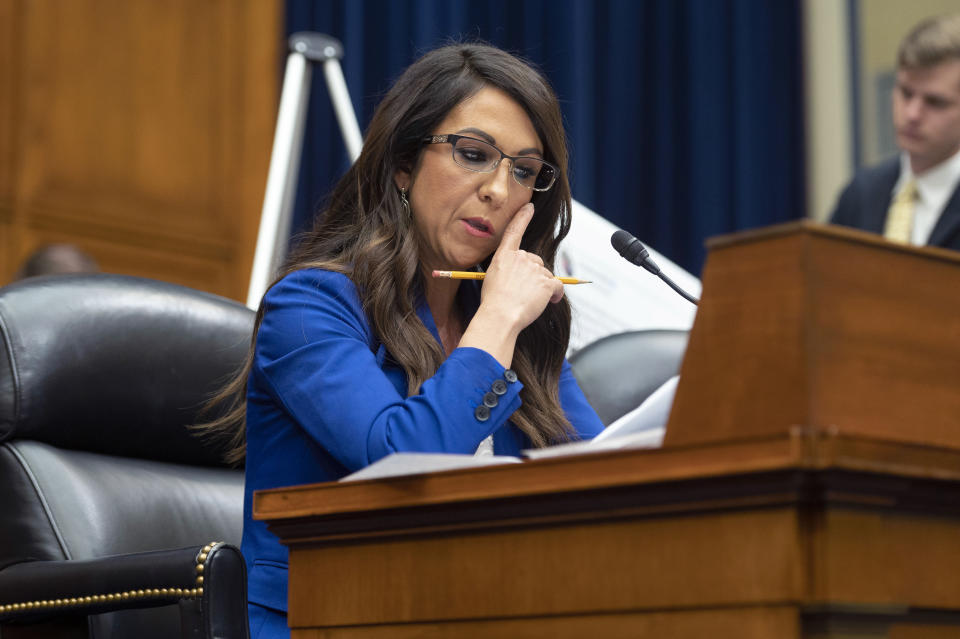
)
(477, 227)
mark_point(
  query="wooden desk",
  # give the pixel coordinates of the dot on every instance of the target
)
(814, 536)
(744, 525)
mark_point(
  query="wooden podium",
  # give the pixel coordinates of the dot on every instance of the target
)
(809, 484)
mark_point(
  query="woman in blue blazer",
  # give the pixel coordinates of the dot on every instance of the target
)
(360, 351)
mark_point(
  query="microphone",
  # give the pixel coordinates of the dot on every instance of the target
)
(634, 252)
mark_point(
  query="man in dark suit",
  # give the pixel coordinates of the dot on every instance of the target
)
(915, 198)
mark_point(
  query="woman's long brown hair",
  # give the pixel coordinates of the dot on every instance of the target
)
(365, 233)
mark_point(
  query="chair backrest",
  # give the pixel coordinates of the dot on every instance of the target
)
(100, 378)
(618, 372)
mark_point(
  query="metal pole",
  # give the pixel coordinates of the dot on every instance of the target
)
(276, 216)
(343, 107)
(282, 177)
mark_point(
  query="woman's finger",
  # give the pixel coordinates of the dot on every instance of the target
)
(513, 234)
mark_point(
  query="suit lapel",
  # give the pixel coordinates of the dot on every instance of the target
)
(878, 197)
(948, 226)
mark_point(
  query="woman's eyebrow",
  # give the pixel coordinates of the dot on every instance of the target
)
(480, 133)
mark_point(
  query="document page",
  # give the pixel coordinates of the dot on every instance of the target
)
(622, 297)
(398, 464)
(643, 427)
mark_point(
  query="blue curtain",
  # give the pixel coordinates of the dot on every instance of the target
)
(684, 116)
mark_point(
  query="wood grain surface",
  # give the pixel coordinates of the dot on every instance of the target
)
(139, 131)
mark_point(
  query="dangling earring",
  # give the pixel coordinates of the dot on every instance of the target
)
(404, 202)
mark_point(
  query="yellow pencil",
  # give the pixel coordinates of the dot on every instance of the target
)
(472, 275)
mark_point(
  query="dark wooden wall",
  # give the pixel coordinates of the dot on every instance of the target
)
(139, 131)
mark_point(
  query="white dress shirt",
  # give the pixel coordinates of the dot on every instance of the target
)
(934, 188)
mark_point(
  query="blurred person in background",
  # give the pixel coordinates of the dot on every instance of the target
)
(915, 198)
(54, 259)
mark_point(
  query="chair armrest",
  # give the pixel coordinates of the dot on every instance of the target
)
(212, 578)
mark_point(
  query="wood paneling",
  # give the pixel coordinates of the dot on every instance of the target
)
(753, 623)
(921, 558)
(114, 254)
(8, 68)
(714, 561)
(7, 248)
(914, 631)
(143, 132)
(805, 323)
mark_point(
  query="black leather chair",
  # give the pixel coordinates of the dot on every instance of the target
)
(113, 513)
(619, 371)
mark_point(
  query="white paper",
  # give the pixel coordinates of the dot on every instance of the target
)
(652, 413)
(397, 464)
(643, 427)
(622, 297)
(652, 438)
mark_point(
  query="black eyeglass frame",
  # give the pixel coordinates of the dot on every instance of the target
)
(452, 138)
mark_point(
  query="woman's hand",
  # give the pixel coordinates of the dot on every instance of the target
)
(516, 289)
(516, 282)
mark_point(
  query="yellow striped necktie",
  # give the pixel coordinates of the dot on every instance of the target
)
(899, 226)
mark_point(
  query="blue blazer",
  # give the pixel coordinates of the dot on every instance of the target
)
(865, 201)
(325, 399)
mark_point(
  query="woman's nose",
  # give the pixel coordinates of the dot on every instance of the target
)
(497, 184)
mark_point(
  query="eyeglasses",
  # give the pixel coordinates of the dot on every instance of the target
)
(482, 157)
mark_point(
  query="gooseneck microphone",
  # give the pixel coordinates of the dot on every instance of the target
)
(634, 252)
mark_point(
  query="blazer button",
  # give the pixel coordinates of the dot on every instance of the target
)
(499, 387)
(510, 376)
(490, 400)
(482, 413)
